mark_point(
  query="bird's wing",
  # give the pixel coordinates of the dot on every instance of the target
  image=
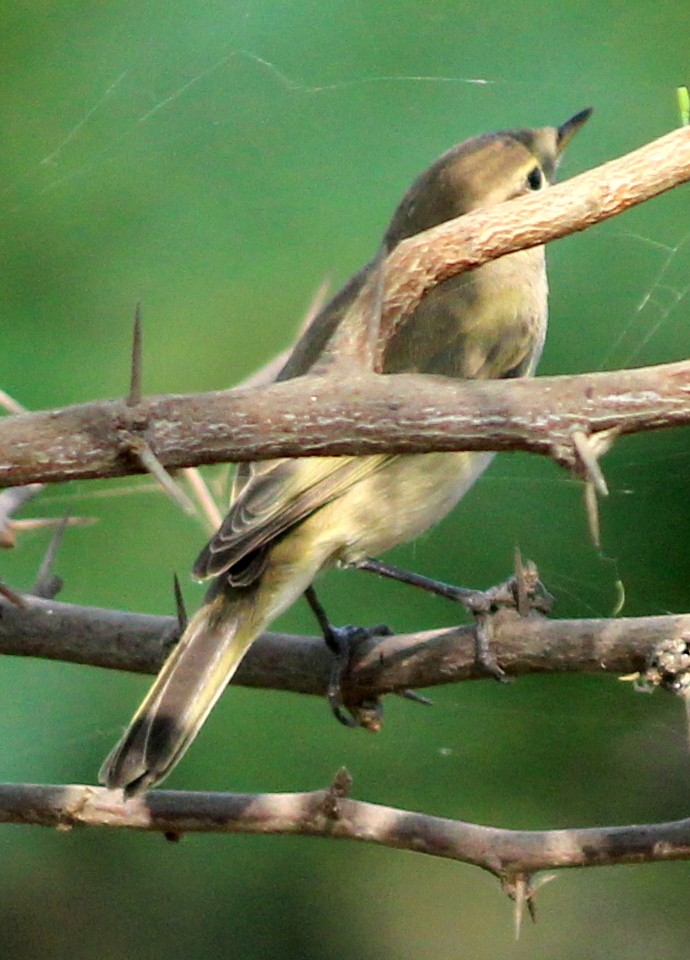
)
(269, 498)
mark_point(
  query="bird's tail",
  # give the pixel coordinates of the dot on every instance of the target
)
(184, 693)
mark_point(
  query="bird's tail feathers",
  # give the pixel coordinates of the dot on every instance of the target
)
(184, 693)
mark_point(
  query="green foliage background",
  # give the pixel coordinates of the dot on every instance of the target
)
(216, 161)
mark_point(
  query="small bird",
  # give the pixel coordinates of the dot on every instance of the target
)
(291, 518)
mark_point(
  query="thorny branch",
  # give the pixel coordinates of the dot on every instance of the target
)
(525, 644)
(509, 854)
(120, 640)
(365, 413)
(568, 418)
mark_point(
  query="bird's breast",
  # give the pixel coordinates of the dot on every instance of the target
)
(485, 324)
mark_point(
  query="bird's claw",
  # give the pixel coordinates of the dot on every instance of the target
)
(342, 641)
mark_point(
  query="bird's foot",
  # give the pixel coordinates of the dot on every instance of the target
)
(343, 642)
(522, 592)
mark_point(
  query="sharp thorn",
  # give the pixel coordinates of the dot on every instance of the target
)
(179, 603)
(521, 600)
(415, 697)
(204, 498)
(10, 404)
(134, 396)
(588, 458)
(41, 523)
(148, 459)
(341, 785)
(47, 585)
(316, 304)
(520, 898)
(12, 596)
(592, 508)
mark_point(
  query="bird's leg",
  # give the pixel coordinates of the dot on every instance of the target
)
(342, 641)
(523, 592)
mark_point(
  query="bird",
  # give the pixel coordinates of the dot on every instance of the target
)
(290, 518)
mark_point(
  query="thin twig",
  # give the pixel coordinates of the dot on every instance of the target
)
(507, 854)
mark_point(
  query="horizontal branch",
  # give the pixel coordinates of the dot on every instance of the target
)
(362, 414)
(138, 642)
(509, 854)
(399, 413)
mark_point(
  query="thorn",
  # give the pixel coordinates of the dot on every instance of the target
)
(10, 404)
(179, 603)
(9, 531)
(148, 459)
(134, 396)
(415, 697)
(43, 523)
(588, 451)
(620, 598)
(204, 497)
(521, 888)
(316, 304)
(341, 785)
(47, 584)
(12, 596)
(592, 510)
(339, 789)
(521, 584)
(521, 900)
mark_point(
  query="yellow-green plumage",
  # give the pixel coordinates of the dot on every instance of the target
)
(291, 518)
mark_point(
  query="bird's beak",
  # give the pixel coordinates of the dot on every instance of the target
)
(567, 130)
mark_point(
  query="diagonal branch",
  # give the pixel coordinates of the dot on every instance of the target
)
(421, 262)
(369, 414)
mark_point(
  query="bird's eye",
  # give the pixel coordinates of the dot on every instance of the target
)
(535, 179)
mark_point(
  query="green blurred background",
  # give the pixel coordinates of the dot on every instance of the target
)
(216, 161)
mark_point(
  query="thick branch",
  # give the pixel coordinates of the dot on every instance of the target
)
(322, 813)
(368, 414)
(400, 413)
(138, 642)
